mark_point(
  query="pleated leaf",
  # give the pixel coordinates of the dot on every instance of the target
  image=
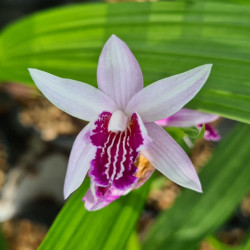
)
(166, 37)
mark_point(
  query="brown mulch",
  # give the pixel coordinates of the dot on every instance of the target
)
(47, 119)
(23, 234)
(3, 163)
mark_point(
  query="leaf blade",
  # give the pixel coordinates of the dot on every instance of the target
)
(108, 228)
(166, 37)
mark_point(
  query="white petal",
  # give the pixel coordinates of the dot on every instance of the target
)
(165, 97)
(82, 153)
(170, 159)
(75, 98)
(188, 118)
(118, 74)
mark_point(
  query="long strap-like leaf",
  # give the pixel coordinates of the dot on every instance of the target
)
(109, 228)
(166, 37)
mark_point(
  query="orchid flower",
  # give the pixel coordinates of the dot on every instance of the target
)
(188, 118)
(122, 115)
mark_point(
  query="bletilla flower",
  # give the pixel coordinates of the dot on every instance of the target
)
(188, 118)
(121, 115)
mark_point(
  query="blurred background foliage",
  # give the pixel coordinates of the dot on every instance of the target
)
(174, 36)
(167, 37)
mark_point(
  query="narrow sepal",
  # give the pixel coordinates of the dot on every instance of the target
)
(167, 96)
(170, 159)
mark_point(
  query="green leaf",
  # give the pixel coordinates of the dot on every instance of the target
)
(192, 132)
(201, 132)
(2, 242)
(166, 37)
(225, 181)
(108, 228)
(247, 245)
(178, 135)
(133, 242)
(218, 245)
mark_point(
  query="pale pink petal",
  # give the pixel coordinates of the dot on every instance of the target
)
(75, 98)
(170, 159)
(167, 96)
(163, 122)
(99, 197)
(92, 203)
(82, 153)
(187, 118)
(118, 74)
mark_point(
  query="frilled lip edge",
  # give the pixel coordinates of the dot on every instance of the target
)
(99, 197)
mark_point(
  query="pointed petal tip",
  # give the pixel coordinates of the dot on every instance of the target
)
(207, 67)
(65, 195)
(193, 183)
(199, 188)
(113, 36)
(196, 185)
(32, 70)
(36, 73)
(116, 41)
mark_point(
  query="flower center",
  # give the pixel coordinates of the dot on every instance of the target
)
(118, 122)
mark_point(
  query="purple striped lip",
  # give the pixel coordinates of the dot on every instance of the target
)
(116, 153)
